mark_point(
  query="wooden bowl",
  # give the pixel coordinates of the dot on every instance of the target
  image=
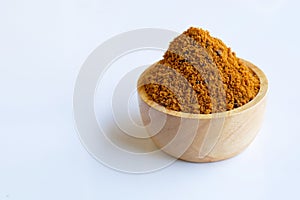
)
(204, 137)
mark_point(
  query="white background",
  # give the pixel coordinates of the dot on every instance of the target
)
(42, 46)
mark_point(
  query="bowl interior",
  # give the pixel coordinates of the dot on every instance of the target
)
(260, 95)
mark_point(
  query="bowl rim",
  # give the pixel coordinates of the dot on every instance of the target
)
(262, 93)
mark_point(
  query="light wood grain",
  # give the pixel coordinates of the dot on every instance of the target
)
(205, 137)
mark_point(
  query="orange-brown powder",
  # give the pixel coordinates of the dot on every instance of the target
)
(200, 74)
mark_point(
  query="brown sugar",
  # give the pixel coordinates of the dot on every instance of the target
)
(200, 74)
